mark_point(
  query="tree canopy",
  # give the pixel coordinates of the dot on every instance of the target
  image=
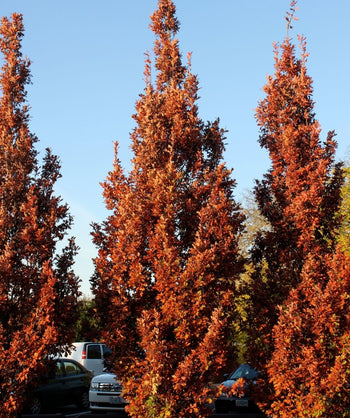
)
(299, 197)
(168, 253)
(38, 288)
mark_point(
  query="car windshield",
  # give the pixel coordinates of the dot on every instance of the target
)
(244, 370)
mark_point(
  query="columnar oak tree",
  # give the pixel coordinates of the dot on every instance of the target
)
(168, 253)
(299, 196)
(38, 289)
(310, 366)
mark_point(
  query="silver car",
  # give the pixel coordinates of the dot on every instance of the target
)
(105, 393)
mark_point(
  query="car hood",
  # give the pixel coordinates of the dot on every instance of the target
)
(228, 383)
(105, 378)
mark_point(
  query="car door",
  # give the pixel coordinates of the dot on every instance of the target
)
(53, 391)
(75, 380)
(94, 358)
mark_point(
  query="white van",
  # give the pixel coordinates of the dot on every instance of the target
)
(91, 355)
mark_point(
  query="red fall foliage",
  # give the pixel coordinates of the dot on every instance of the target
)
(168, 253)
(38, 289)
(293, 261)
(168, 275)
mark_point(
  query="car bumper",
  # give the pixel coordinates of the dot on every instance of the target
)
(106, 401)
(226, 404)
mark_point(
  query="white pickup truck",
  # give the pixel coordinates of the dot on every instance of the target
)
(105, 393)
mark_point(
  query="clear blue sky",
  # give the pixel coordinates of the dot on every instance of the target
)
(87, 72)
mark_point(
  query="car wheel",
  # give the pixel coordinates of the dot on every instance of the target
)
(35, 406)
(84, 400)
(220, 408)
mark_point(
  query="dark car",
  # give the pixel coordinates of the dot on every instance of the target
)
(228, 402)
(66, 383)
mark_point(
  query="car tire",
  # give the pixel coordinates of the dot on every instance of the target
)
(220, 408)
(84, 400)
(35, 406)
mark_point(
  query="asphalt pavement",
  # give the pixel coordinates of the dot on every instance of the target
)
(118, 414)
(73, 412)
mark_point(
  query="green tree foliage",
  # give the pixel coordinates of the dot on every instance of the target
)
(255, 223)
(87, 327)
(168, 254)
(38, 289)
(344, 212)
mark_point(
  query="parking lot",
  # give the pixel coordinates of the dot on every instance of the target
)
(230, 415)
(88, 414)
(70, 389)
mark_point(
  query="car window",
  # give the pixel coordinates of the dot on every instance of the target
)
(106, 351)
(72, 368)
(59, 370)
(93, 351)
(244, 370)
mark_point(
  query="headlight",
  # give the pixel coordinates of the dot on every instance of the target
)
(94, 386)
